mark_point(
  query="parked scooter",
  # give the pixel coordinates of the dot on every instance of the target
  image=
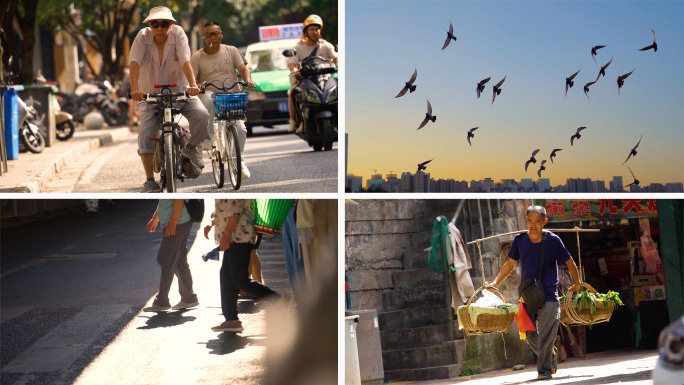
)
(64, 121)
(316, 102)
(29, 133)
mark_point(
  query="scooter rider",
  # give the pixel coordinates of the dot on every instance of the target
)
(311, 38)
(160, 54)
(216, 63)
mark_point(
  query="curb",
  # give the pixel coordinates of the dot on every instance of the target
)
(83, 146)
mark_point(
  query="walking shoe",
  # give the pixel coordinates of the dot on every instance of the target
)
(156, 308)
(150, 186)
(183, 305)
(229, 326)
(554, 362)
(194, 154)
(300, 129)
(245, 171)
(292, 127)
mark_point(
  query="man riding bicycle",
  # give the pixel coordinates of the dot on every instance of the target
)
(216, 63)
(160, 54)
(311, 38)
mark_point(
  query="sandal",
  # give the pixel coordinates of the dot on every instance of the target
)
(544, 376)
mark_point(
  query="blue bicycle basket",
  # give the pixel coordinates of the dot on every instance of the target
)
(230, 106)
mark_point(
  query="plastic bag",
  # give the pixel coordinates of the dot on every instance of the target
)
(488, 299)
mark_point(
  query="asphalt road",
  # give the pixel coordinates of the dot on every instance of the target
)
(278, 162)
(71, 306)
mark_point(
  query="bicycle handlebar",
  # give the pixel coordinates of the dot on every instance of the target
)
(222, 88)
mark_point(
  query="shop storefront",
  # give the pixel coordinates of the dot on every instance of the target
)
(623, 256)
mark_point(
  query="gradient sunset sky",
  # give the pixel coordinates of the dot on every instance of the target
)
(537, 44)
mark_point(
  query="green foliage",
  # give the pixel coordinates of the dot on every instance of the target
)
(505, 307)
(470, 371)
(587, 298)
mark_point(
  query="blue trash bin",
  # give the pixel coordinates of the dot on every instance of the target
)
(11, 109)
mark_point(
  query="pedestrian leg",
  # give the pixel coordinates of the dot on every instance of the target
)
(182, 269)
(547, 328)
(167, 258)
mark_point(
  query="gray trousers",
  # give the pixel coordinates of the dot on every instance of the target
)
(173, 259)
(150, 121)
(541, 341)
(241, 129)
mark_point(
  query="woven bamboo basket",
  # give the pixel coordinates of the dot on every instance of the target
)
(571, 316)
(486, 323)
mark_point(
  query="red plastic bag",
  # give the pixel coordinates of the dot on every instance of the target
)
(523, 319)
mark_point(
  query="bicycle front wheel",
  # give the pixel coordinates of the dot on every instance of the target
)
(170, 156)
(234, 157)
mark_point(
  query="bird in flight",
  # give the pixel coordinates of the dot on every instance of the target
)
(586, 86)
(542, 168)
(568, 81)
(532, 159)
(633, 151)
(471, 135)
(481, 86)
(408, 86)
(576, 135)
(602, 71)
(553, 153)
(654, 45)
(450, 36)
(497, 89)
(636, 181)
(422, 166)
(594, 49)
(428, 116)
(621, 80)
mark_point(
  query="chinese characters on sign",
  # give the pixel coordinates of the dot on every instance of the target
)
(283, 31)
(599, 209)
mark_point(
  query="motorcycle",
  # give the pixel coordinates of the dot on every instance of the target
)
(316, 102)
(64, 121)
(88, 97)
(31, 137)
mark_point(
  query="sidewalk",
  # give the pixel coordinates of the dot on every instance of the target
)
(610, 367)
(30, 171)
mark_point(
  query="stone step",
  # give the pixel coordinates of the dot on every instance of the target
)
(425, 357)
(414, 298)
(404, 319)
(414, 338)
(423, 374)
(416, 278)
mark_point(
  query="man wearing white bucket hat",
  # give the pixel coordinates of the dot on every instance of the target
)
(160, 54)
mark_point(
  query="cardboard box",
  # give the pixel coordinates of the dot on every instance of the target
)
(653, 293)
(645, 280)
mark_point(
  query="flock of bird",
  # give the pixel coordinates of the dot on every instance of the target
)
(410, 87)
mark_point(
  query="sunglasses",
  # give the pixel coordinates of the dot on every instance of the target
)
(213, 34)
(163, 24)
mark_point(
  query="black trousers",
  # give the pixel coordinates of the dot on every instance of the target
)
(235, 276)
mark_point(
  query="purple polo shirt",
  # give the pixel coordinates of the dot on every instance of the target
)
(528, 253)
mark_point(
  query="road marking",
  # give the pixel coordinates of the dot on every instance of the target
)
(95, 167)
(81, 256)
(9, 312)
(58, 349)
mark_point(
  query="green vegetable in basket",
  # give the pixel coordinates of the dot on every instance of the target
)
(587, 298)
(505, 307)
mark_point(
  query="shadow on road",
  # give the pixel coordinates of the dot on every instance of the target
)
(229, 342)
(166, 319)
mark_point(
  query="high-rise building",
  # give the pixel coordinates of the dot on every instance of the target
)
(527, 185)
(544, 184)
(617, 184)
(354, 183)
(487, 184)
(375, 183)
(406, 182)
(392, 183)
(677, 187)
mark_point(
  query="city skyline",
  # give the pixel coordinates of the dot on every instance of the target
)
(536, 45)
(423, 182)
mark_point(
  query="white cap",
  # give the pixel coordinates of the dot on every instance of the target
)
(159, 13)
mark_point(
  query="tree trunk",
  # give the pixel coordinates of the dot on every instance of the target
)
(28, 25)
